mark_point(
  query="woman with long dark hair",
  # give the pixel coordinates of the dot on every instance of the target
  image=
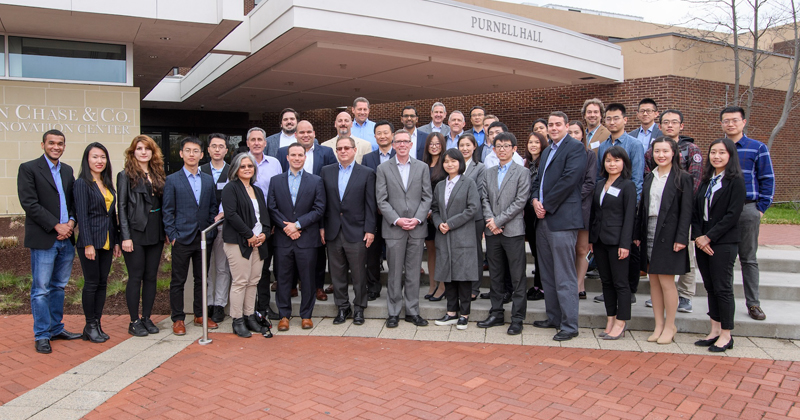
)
(434, 150)
(98, 240)
(715, 228)
(141, 186)
(576, 130)
(533, 151)
(468, 147)
(662, 223)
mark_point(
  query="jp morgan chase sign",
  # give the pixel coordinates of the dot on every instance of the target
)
(522, 32)
(87, 120)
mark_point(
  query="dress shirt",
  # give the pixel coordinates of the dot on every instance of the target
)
(645, 136)
(287, 140)
(309, 165)
(449, 188)
(413, 151)
(365, 131)
(344, 178)
(713, 186)
(405, 170)
(656, 191)
(267, 168)
(55, 171)
(480, 136)
(294, 184)
(501, 173)
(435, 129)
(634, 150)
(491, 160)
(759, 178)
(554, 149)
(216, 172)
(195, 183)
(452, 143)
(590, 134)
(602, 196)
(385, 156)
(488, 149)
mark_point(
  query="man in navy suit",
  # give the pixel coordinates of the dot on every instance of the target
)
(556, 196)
(284, 137)
(296, 202)
(383, 135)
(189, 206)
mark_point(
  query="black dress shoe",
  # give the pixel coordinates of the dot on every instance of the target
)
(342, 315)
(272, 315)
(581, 295)
(446, 320)
(515, 328)
(535, 294)
(65, 335)
(544, 324)
(373, 296)
(358, 317)
(492, 321)
(417, 320)
(149, 326)
(218, 315)
(506, 298)
(137, 329)
(43, 346)
(392, 321)
(564, 336)
(715, 349)
(485, 296)
(436, 299)
(706, 343)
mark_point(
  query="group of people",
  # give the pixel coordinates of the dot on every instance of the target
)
(298, 205)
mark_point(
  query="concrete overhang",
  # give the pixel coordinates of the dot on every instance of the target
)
(317, 54)
(163, 33)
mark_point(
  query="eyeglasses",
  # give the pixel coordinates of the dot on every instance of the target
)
(192, 151)
(409, 116)
(436, 145)
(670, 122)
(401, 141)
(503, 146)
(614, 119)
(343, 148)
(647, 111)
(246, 167)
(733, 121)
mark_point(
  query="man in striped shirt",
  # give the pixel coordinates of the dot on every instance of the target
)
(760, 183)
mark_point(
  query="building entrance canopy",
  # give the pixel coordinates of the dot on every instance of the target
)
(311, 54)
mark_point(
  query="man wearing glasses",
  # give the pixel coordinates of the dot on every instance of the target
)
(219, 285)
(648, 131)
(409, 119)
(403, 188)
(189, 206)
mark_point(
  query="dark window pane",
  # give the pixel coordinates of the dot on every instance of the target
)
(66, 60)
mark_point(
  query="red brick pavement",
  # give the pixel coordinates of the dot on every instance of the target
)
(779, 235)
(22, 369)
(344, 378)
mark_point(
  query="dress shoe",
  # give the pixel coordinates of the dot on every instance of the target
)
(211, 324)
(756, 313)
(436, 298)
(252, 324)
(667, 336)
(272, 315)
(149, 326)
(102, 333)
(373, 296)
(307, 324)
(492, 321)
(616, 337)
(715, 349)
(321, 295)
(137, 329)
(515, 328)
(462, 323)
(535, 294)
(564, 336)
(485, 296)
(582, 295)
(218, 315)
(544, 324)
(274, 286)
(392, 321)
(329, 289)
(293, 293)
(65, 335)
(593, 274)
(446, 320)
(706, 343)
(43, 346)
(485, 266)
(358, 317)
(178, 328)
(283, 325)
(506, 298)
(92, 333)
(473, 298)
(240, 329)
(600, 298)
(417, 320)
(633, 298)
(642, 273)
(342, 315)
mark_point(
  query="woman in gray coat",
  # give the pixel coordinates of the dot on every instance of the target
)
(468, 148)
(455, 202)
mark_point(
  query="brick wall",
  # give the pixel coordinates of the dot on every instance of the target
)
(699, 100)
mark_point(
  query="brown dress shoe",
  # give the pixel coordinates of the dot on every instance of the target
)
(321, 295)
(211, 324)
(329, 289)
(307, 324)
(274, 286)
(294, 292)
(178, 328)
(283, 325)
(756, 313)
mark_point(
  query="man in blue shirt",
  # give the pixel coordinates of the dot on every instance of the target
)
(476, 116)
(363, 128)
(759, 180)
(456, 123)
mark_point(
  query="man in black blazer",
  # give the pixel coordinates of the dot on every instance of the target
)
(219, 285)
(44, 187)
(349, 227)
(556, 198)
(383, 135)
(189, 206)
(296, 202)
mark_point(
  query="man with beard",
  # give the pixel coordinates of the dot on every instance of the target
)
(286, 136)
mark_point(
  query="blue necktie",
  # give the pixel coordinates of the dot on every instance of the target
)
(710, 189)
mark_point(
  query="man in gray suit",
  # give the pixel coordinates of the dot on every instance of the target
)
(403, 189)
(438, 112)
(503, 197)
(556, 193)
(286, 136)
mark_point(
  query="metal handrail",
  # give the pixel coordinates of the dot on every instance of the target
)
(204, 267)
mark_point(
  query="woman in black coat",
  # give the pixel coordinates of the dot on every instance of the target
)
(244, 233)
(98, 240)
(662, 223)
(141, 186)
(611, 229)
(715, 220)
(537, 142)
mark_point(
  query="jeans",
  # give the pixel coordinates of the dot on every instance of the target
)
(50, 269)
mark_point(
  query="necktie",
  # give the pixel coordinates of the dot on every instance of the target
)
(710, 189)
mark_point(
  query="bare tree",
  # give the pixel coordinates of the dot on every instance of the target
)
(793, 74)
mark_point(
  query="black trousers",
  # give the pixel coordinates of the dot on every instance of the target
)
(301, 261)
(507, 259)
(531, 236)
(95, 282)
(717, 272)
(319, 268)
(634, 266)
(181, 256)
(614, 277)
(262, 290)
(374, 253)
(142, 266)
(459, 296)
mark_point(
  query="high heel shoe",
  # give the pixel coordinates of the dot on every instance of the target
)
(621, 335)
(654, 337)
(436, 299)
(715, 349)
(432, 295)
(706, 343)
(662, 340)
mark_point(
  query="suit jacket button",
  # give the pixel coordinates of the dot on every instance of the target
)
(341, 214)
(662, 240)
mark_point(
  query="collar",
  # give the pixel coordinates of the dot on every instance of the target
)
(439, 126)
(188, 173)
(396, 159)
(52, 165)
(478, 131)
(211, 165)
(348, 167)
(647, 130)
(299, 173)
(367, 121)
(504, 167)
(593, 131)
(388, 152)
(454, 180)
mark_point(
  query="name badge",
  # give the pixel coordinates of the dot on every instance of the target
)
(613, 191)
(594, 145)
(221, 185)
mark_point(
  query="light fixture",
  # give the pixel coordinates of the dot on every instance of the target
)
(343, 66)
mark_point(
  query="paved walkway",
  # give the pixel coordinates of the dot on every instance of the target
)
(779, 235)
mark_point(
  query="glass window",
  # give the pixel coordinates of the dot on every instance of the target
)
(3, 54)
(66, 60)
